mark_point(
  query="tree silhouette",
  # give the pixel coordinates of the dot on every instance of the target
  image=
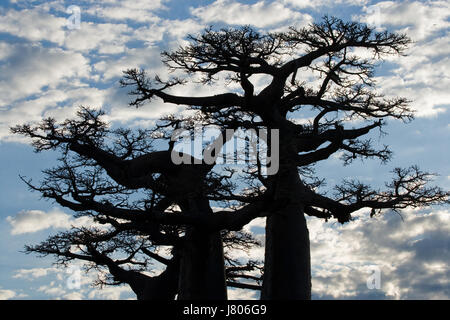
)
(139, 201)
(100, 175)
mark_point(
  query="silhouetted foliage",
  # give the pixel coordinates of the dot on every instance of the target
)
(143, 201)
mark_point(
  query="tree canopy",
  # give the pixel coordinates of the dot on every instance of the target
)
(147, 208)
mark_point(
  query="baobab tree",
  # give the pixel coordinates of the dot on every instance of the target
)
(325, 68)
(140, 204)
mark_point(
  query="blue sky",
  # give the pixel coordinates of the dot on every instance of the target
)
(47, 69)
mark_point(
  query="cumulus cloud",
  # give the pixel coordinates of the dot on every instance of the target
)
(29, 221)
(33, 273)
(29, 68)
(421, 75)
(113, 67)
(318, 4)
(52, 290)
(73, 296)
(417, 19)
(242, 294)
(57, 103)
(259, 14)
(411, 256)
(107, 38)
(427, 101)
(422, 78)
(110, 293)
(52, 75)
(33, 24)
(55, 284)
(134, 10)
(7, 294)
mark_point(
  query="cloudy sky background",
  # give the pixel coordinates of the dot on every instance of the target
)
(47, 69)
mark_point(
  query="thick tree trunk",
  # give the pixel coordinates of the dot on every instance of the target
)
(202, 265)
(161, 287)
(287, 273)
(202, 272)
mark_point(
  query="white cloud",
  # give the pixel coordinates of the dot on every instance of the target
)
(318, 4)
(73, 296)
(108, 38)
(36, 220)
(242, 294)
(134, 58)
(173, 32)
(256, 225)
(417, 19)
(426, 101)
(34, 25)
(110, 293)
(33, 273)
(6, 50)
(29, 68)
(7, 294)
(179, 29)
(410, 255)
(58, 103)
(421, 77)
(259, 14)
(135, 10)
(52, 290)
(56, 285)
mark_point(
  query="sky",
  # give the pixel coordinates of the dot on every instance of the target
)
(50, 65)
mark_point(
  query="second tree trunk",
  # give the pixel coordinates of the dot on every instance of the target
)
(287, 271)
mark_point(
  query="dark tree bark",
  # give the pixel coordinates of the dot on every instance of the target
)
(202, 265)
(202, 272)
(287, 252)
(287, 249)
(161, 287)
